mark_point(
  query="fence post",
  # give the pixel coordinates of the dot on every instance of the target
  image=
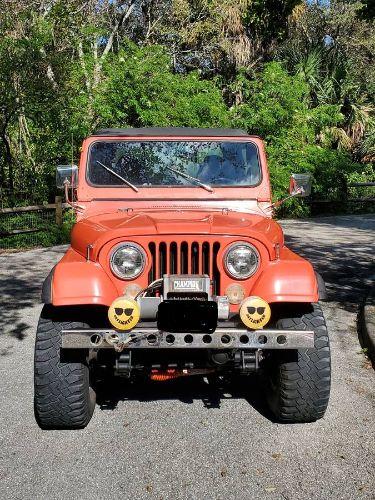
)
(345, 193)
(58, 202)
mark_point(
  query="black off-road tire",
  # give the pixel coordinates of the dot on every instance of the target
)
(63, 398)
(298, 381)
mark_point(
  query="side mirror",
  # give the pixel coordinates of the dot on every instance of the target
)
(66, 175)
(300, 185)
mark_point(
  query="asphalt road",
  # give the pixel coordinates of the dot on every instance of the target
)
(187, 439)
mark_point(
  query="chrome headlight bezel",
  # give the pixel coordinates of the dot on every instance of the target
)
(234, 246)
(142, 254)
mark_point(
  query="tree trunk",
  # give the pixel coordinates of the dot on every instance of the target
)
(8, 162)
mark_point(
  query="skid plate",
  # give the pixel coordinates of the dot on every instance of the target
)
(152, 338)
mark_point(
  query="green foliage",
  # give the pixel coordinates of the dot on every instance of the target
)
(362, 174)
(299, 74)
(140, 89)
(47, 232)
(45, 238)
(272, 101)
(277, 105)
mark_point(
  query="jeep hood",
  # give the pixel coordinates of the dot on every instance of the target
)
(100, 229)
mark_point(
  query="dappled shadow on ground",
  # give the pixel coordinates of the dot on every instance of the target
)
(342, 253)
(16, 295)
(363, 222)
(186, 390)
(345, 270)
(21, 278)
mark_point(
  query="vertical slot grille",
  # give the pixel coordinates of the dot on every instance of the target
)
(185, 258)
(216, 272)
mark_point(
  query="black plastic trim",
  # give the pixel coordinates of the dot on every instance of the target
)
(321, 287)
(47, 288)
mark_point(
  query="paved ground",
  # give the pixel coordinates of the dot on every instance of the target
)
(187, 439)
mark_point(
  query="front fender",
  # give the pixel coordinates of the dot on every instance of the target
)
(75, 281)
(288, 279)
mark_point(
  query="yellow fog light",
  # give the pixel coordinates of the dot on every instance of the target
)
(235, 293)
(255, 312)
(124, 313)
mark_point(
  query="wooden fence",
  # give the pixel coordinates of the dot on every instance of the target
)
(346, 200)
(57, 207)
(37, 225)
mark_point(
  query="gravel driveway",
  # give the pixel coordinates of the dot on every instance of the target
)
(187, 439)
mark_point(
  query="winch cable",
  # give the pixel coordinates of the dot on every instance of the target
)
(152, 286)
(120, 345)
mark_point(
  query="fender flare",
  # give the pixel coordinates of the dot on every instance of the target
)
(321, 287)
(75, 281)
(288, 279)
(47, 288)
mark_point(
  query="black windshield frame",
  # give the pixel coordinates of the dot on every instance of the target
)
(174, 140)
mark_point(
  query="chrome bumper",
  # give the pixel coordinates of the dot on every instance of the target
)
(222, 338)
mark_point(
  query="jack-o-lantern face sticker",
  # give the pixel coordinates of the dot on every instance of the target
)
(255, 312)
(124, 313)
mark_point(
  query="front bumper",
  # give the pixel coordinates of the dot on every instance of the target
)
(221, 338)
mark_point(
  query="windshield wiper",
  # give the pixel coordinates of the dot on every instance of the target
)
(118, 176)
(207, 187)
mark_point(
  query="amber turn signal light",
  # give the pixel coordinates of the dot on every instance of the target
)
(235, 293)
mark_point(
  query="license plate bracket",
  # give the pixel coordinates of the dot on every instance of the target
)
(187, 316)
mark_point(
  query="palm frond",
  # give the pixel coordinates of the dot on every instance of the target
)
(358, 118)
(310, 66)
(336, 136)
(366, 148)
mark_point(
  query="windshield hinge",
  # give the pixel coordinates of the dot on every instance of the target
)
(127, 210)
(88, 252)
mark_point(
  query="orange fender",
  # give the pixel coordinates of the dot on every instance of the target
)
(288, 279)
(75, 281)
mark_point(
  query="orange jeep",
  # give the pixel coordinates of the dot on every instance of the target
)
(176, 268)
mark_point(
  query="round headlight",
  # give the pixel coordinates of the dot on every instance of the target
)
(128, 261)
(241, 260)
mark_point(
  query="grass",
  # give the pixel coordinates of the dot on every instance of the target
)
(46, 234)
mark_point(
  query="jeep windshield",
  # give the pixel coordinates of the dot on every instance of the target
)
(160, 163)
